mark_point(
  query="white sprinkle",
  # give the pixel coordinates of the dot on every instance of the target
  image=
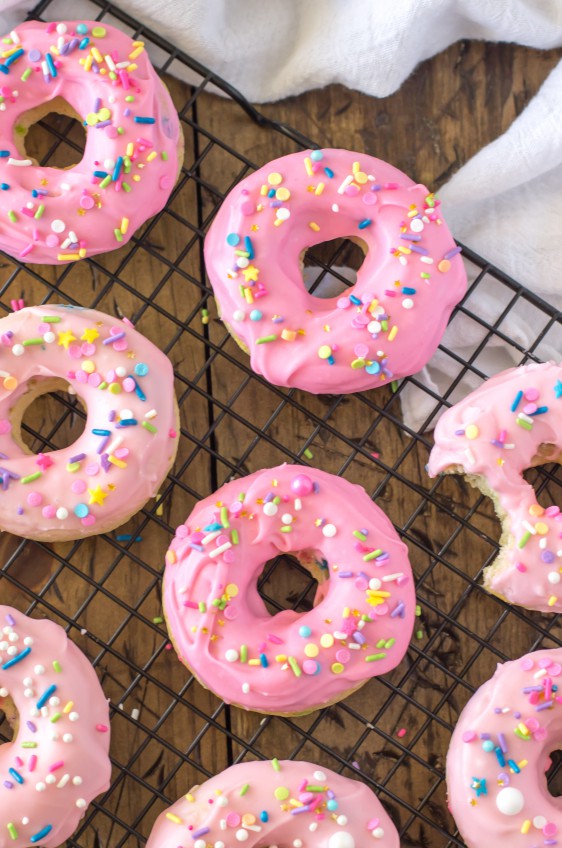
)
(210, 536)
(19, 162)
(151, 414)
(346, 182)
(297, 504)
(15, 37)
(390, 577)
(58, 226)
(220, 550)
(63, 781)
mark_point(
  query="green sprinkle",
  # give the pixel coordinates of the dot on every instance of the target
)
(266, 339)
(73, 466)
(394, 386)
(50, 319)
(242, 497)
(105, 182)
(216, 603)
(359, 535)
(366, 618)
(29, 744)
(37, 341)
(148, 426)
(286, 529)
(202, 606)
(381, 643)
(308, 453)
(384, 325)
(130, 98)
(157, 619)
(295, 666)
(234, 536)
(12, 216)
(372, 555)
(40, 210)
(524, 539)
(55, 718)
(277, 500)
(12, 830)
(164, 156)
(120, 130)
(525, 424)
(243, 653)
(57, 666)
(244, 789)
(112, 75)
(117, 233)
(390, 643)
(419, 634)
(276, 765)
(103, 385)
(127, 164)
(373, 657)
(26, 74)
(522, 735)
(125, 186)
(224, 517)
(31, 477)
(424, 275)
(418, 610)
(312, 787)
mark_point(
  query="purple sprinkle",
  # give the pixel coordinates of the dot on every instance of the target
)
(363, 575)
(459, 432)
(112, 415)
(278, 319)
(517, 715)
(19, 510)
(102, 444)
(275, 204)
(364, 531)
(201, 832)
(97, 104)
(529, 689)
(32, 727)
(196, 547)
(503, 743)
(102, 124)
(496, 443)
(126, 112)
(484, 736)
(78, 458)
(545, 706)
(345, 573)
(547, 556)
(298, 810)
(105, 463)
(65, 48)
(8, 784)
(376, 187)
(315, 488)
(452, 252)
(11, 620)
(95, 67)
(398, 610)
(358, 637)
(34, 55)
(269, 497)
(331, 794)
(410, 237)
(417, 249)
(73, 44)
(383, 557)
(42, 191)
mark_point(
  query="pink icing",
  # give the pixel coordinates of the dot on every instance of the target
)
(387, 325)
(84, 488)
(64, 215)
(45, 789)
(269, 803)
(220, 625)
(490, 434)
(499, 754)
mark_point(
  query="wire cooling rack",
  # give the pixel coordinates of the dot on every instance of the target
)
(167, 732)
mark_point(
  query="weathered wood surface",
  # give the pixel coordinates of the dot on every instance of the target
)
(450, 108)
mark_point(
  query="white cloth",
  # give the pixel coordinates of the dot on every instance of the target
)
(505, 203)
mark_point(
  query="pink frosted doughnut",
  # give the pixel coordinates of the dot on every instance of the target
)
(512, 422)
(290, 663)
(500, 752)
(133, 140)
(387, 325)
(256, 803)
(58, 759)
(130, 440)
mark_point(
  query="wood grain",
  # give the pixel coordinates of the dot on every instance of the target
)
(451, 106)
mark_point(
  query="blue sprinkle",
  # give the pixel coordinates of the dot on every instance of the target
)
(45, 696)
(14, 57)
(316, 155)
(101, 432)
(4, 69)
(516, 402)
(366, 222)
(16, 659)
(141, 369)
(4, 153)
(263, 816)
(41, 834)
(100, 174)
(305, 631)
(233, 239)
(141, 120)
(81, 510)
(128, 422)
(81, 29)
(117, 169)
(249, 247)
(263, 660)
(139, 392)
(513, 765)
(16, 775)
(407, 290)
(4, 186)
(329, 173)
(271, 192)
(84, 43)
(354, 299)
(50, 64)
(540, 411)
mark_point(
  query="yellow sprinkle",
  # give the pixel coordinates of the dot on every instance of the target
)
(288, 335)
(130, 149)
(174, 818)
(523, 763)
(552, 600)
(281, 658)
(88, 62)
(248, 295)
(541, 528)
(136, 178)
(319, 189)
(118, 462)
(68, 257)
(82, 253)
(314, 226)
(97, 55)
(152, 155)
(356, 167)
(274, 179)
(171, 556)
(132, 67)
(346, 612)
(405, 250)
(138, 43)
(373, 306)
(308, 166)
(526, 826)
(136, 53)
(124, 225)
(392, 334)
(68, 707)
(254, 662)
(263, 190)
(523, 728)
(189, 797)
(278, 222)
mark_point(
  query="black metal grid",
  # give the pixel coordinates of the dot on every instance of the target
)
(168, 733)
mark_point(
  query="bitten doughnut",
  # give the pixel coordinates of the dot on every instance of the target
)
(500, 752)
(290, 663)
(276, 803)
(512, 422)
(130, 439)
(58, 760)
(134, 146)
(387, 325)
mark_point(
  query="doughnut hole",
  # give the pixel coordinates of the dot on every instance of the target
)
(554, 774)
(9, 719)
(547, 481)
(344, 256)
(293, 581)
(51, 134)
(47, 417)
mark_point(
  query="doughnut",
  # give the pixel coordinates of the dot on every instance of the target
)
(134, 146)
(276, 803)
(58, 760)
(131, 435)
(510, 423)
(291, 663)
(500, 751)
(387, 325)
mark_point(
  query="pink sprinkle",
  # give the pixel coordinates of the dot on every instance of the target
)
(79, 486)
(351, 190)
(88, 520)
(527, 664)
(86, 202)
(102, 728)
(233, 819)
(19, 762)
(552, 511)
(302, 784)
(5, 426)
(520, 567)
(275, 639)
(532, 394)
(369, 199)
(32, 762)
(402, 732)
(56, 766)
(469, 736)
(371, 825)
(35, 499)
(247, 208)
(92, 469)
(309, 667)
(550, 829)
(48, 511)
(343, 302)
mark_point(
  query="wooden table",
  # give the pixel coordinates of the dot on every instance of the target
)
(452, 106)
